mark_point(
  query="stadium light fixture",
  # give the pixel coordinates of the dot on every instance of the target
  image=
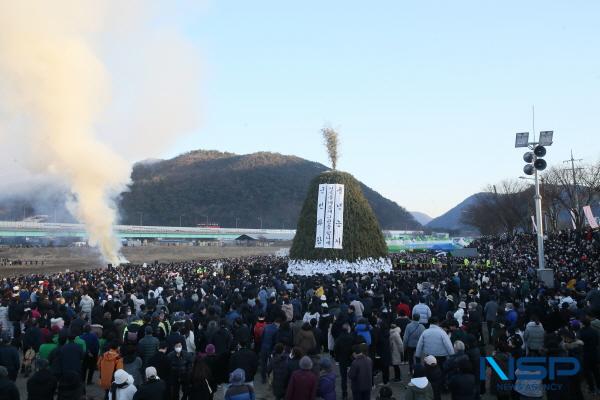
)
(546, 138)
(522, 139)
(536, 164)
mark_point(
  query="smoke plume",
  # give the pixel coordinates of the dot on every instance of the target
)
(55, 100)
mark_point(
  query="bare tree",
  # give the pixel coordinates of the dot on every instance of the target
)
(331, 140)
(505, 207)
(574, 189)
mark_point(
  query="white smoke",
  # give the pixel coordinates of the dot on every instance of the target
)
(59, 96)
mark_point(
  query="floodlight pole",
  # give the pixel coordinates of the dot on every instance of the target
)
(539, 226)
(544, 274)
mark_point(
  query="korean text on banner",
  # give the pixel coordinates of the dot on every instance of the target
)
(338, 233)
(330, 217)
(329, 211)
(322, 196)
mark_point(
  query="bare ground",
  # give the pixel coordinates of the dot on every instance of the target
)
(57, 259)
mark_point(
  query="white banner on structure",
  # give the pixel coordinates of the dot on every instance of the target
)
(533, 224)
(589, 215)
(330, 216)
(573, 219)
(338, 233)
(329, 211)
(322, 196)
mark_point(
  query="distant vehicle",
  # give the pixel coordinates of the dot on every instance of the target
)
(213, 226)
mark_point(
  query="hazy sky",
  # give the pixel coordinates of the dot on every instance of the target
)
(427, 96)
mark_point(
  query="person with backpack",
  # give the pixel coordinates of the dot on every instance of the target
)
(238, 390)
(108, 363)
(412, 333)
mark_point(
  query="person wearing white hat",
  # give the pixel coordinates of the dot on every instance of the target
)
(460, 313)
(122, 387)
(153, 389)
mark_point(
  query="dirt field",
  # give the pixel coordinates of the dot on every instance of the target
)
(76, 258)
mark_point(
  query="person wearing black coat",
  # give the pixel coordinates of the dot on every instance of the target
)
(70, 387)
(590, 355)
(32, 338)
(153, 389)
(434, 375)
(342, 351)
(245, 359)
(70, 357)
(463, 385)
(9, 358)
(278, 367)
(384, 351)
(8, 389)
(285, 335)
(42, 384)
(160, 361)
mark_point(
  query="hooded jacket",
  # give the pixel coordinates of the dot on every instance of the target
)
(534, 336)
(396, 346)
(364, 330)
(419, 389)
(108, 363)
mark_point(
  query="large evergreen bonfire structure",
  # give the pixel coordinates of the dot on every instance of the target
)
(337, 229)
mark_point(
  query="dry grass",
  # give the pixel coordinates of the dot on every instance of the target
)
(58, 259)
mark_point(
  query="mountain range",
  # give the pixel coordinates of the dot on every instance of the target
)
(230, 189)
(210, 187)
(421, 217)
(451, 219)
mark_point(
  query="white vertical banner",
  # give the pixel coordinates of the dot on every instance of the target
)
(534, 225)
(573, 219)
(329, 214)
(589, 215)
(322, 197)
(338, 233)
(330, 217)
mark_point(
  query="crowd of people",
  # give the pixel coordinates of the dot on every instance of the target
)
(189, 330)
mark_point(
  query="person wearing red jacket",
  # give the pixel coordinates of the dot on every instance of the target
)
(303, 382)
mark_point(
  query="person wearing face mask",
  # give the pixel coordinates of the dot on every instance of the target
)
(180, 362)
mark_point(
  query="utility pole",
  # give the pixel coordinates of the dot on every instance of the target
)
(575, 190)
